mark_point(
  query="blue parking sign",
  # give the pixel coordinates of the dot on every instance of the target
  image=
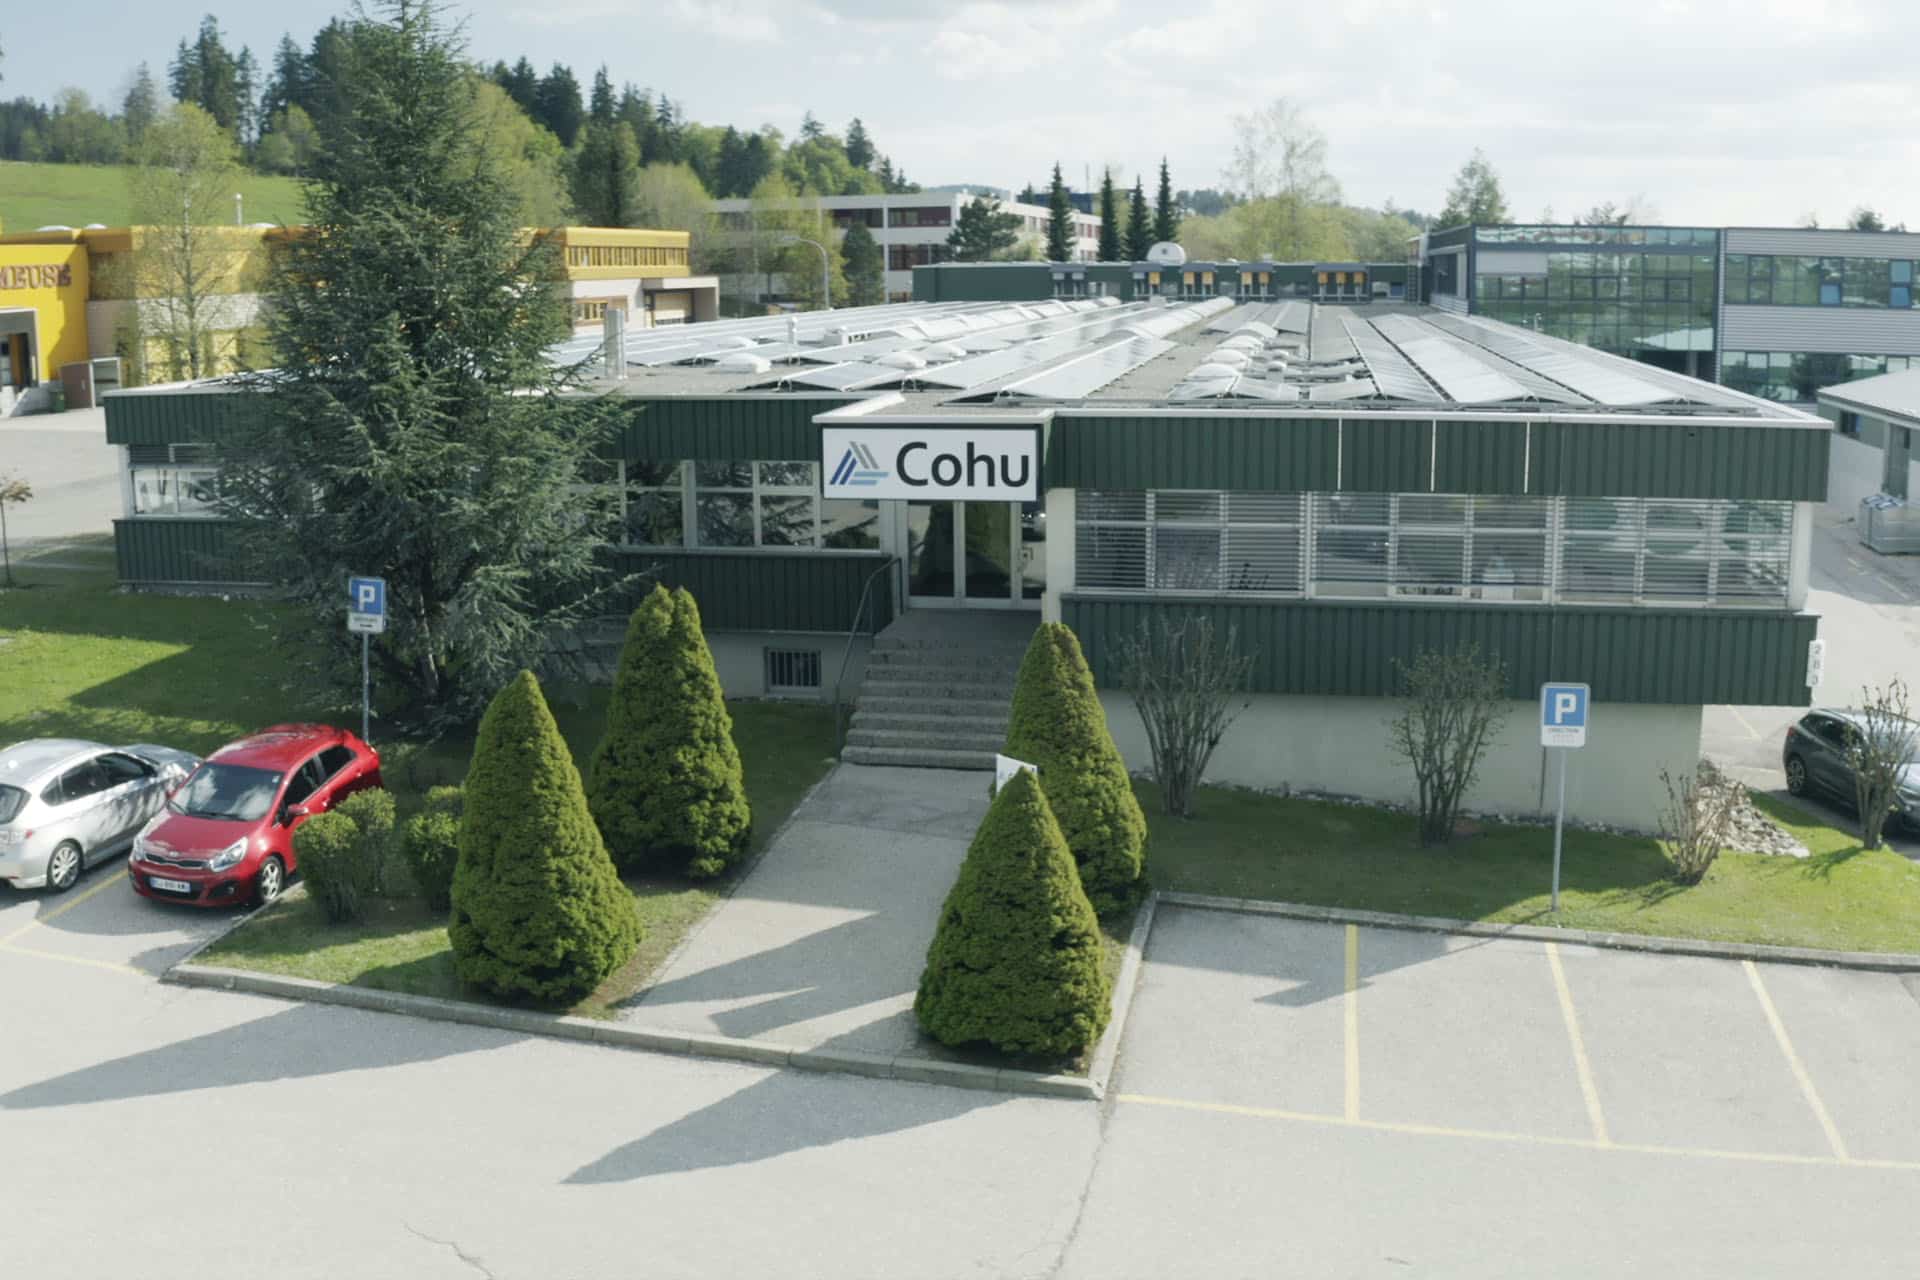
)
(367, 595)
(1563, 714)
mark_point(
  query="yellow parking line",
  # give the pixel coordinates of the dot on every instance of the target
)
(18, 950)
(1745, 723)
(65, 907)
(1793, 1061)
(1521, 1139)
(1581, 1065)
(1353, 1022)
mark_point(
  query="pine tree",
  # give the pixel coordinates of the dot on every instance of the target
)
(411, 426)
(1109, 219)
(604, 176)
(1060, 237)
(1015, 962)
(1139, 224)
(859, 145)
(600, 108)
(141, 107)
(865, 267)
(522, 84)
(1058, 724)
(665, 783)
(556, 105)
(983, 231)
(1166, 214)
(539, 913)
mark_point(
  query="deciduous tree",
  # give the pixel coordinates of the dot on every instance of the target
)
(1455, 704)
(1185, 678)
(1883, 753)
(1475, 196)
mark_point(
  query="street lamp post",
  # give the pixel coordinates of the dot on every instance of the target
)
(826, 267)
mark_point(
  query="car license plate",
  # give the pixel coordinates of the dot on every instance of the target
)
(170, 886)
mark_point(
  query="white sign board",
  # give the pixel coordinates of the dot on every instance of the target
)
(973, 464)
(366, 624)
(1816, 662)
(1004, 767)
(1563, 714)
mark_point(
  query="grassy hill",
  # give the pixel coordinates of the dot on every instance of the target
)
(38, 195)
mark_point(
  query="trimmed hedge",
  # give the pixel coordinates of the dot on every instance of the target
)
(1016, 961)
(372, 812)
(665, 784)
(326, 848)
(430, 843)
(539, 913)
(1057, 723)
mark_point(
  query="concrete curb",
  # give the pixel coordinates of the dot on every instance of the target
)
(1877, 962)
(1107, 1052)
(619, 1035)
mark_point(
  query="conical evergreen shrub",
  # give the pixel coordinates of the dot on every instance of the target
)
(539, 913)
(1058, 724)
(1016, 960)
(665, 783)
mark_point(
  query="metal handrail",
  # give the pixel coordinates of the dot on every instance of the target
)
(859, 611)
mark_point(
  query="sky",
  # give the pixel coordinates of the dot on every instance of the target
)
(1708, 113)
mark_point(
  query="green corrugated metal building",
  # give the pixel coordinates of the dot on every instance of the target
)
(1342, 486)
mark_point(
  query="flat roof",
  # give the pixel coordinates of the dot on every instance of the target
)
(1888, 395)
(1206, 355)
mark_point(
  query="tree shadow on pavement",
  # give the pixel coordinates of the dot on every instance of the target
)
(293, 1044)
(785, 1112)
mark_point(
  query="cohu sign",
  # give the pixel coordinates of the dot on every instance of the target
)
(925, 463)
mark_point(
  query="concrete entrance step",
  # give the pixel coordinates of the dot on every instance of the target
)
(991, 725)
(927, 737)
(943, 708)
(981, 761)
(934, 689)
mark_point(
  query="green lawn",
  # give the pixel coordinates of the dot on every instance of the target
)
(1243, 844)
(79, 658)
(72, 195)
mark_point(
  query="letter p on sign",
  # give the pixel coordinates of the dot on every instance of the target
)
(1563, 715)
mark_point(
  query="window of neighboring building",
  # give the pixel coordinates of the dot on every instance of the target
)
(1849, 423)
(173, 480)
(1795, 377)
(655, 506)
(594, 310)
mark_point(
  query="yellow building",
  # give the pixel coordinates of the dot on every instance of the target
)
(75, 311)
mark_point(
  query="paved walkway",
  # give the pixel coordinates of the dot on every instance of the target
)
(823, 943)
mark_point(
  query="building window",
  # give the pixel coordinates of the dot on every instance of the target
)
(174, 480)
(626, 255)
(1796, 377)
(742, 505)
(594, 310)
(1849, 423)
(1434, 546)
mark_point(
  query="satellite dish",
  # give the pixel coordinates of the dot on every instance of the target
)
(1167, 254)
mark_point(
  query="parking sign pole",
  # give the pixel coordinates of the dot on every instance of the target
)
(1559, 820)
(366, 702)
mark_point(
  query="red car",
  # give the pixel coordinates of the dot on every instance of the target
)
(226, 835)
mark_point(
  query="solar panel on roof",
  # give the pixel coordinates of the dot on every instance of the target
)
(1393, 375)
(1589, 378)
(1451, 366)
(1080, 376)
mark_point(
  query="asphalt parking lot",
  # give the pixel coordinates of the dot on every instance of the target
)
(1525, 1043)
(101, 924)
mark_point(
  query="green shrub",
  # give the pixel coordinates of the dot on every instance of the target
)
(538, 912)
(1057, 723)
(326, 848)
(1016, 961)
(430, 843)
(372, 812)
(665, 783)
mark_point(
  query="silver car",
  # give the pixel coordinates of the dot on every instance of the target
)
(67, 804)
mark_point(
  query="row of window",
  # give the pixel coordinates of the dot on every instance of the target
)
(1569, 550)
(1701, 236)
(626, 255)
(594, 310)
(1778, 280)
(905, 257)
(741, 504)
(1794, 376)
(1616, 327)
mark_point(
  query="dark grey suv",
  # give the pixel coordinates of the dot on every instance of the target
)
(1815, 758)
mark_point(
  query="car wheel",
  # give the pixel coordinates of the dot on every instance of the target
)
(63, 868)
(1796, 776)
(272, 879)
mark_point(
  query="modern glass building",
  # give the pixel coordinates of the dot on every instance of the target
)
(1775, 312)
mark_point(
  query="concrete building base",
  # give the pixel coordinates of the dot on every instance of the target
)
(1340, 746)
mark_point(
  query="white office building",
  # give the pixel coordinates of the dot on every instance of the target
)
(912, 228)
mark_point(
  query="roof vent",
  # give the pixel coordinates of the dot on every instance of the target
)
(743, 362)
(1167, 254)
(903, 360)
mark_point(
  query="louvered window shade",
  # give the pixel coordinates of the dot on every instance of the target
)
(1179, 541)
(1676, 551)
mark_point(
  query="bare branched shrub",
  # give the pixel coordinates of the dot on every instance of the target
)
(1879, 751)
(1455, 704)
(1185, 676)
(1698, 819)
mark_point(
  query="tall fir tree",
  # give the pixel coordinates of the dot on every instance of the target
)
(859, 145)
(1166, 214)
(865, 267)
(600, 108)
(665, 783)
(1060, 237)
(411, 426)
(604, 175)
(983, 232)
(538, 913)
(1109, 219)
(556, 104)
(1139, 224)
(141, 107)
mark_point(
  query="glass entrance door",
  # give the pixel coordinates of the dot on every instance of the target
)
(975, 554)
